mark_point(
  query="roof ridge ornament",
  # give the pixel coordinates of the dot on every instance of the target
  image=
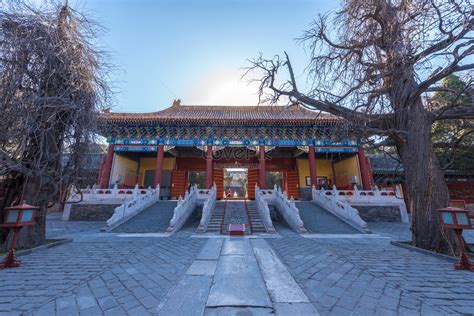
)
(177, 102)
(295, 104)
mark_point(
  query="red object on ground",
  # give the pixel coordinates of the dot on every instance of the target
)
(236, 229)
(10, 260)
(464, 263)
(16, 217)
(457, 219)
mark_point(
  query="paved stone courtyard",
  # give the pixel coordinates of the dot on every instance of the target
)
(368, 276)
(187, 274)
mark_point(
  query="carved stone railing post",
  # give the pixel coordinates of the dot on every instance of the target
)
(136, 191)
(183, 210)
(339, 206)
(262, 206)
(288, 210)
(356, 195)
(208, 208)
(115, 191)
(133, 206)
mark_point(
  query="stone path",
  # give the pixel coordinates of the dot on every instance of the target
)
(152, 220)
(58, 228)
(237, 276)
(317, 220)
(189, 274)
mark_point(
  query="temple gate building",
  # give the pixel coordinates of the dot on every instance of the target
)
(289, 146)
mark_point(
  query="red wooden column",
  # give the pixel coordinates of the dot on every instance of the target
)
(365, 170)
(159, 164)
(106, 168)
(261, 167)
(209, 167)
(312, 165)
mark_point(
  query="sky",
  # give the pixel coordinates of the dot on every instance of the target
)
(195, 50)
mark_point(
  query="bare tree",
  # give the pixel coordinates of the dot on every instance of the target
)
(52, 85)
(374, 63)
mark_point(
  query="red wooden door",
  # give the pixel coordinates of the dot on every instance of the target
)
(292, 184)
(178, 183)
(218, 179)
(252, 179)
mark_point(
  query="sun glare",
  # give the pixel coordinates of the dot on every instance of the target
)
(223, 87)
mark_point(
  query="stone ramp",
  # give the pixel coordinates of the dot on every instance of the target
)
(319, 221)
(235, 213)
(154, 219)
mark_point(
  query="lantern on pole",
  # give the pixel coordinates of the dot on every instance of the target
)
(457, 219)
(16, 217)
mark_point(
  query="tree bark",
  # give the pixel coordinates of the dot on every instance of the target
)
(425, 182)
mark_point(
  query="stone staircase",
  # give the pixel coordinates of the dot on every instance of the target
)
(228, 210)
(257, 224)
(216, 218)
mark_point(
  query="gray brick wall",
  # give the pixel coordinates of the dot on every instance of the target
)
(379, 213)
(91, 212)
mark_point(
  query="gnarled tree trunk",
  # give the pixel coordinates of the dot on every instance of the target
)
(425, 182)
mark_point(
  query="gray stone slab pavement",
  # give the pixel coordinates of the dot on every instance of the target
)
(280, 284)
(56, 228)
(202, 267)
(129, 275)
(238, 281)
(211, 250)
(401, 231)
(249, 279)
(105, 274)
(395, 230)
(371, 277)
(189, 297)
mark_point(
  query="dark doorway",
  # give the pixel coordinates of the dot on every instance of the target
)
(149, 179)
(197, 178)
(273, 178)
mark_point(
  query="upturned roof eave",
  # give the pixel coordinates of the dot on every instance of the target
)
(220, 121)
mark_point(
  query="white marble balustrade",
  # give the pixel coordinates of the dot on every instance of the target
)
(341, 202)
(96, 195)
(210, 197)
(139, 201)
(261, 200)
